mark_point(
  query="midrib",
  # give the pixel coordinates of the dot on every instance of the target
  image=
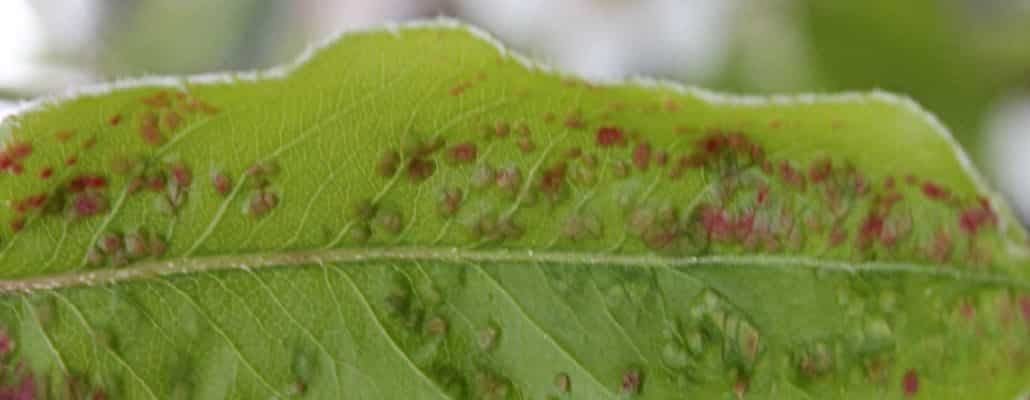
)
(187, 265)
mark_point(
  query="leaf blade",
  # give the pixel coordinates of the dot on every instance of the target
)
(573, 260)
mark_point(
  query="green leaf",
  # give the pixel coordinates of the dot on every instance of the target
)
(415, 213)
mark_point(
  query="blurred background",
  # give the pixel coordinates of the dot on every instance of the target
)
(968, 61)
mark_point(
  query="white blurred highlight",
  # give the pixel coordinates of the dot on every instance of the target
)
(326, 17)
(686, 39)
(20, 40)
(26, 39)
(69, 25)
(1009, 145)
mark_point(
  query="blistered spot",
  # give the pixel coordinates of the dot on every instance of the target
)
(574, 120)
(670, 105)
(815, 361)
(45, 173)
(791, 176)
(363, 210)
(175, 190)
(1024, 308)
(94, 256)
(552, 178)
(83, 182)
(509, 180)
(221, 182)
(450, 201)
(360, 233)
(573, 153)
(415, 147)
(420, 169)
(261, 203)
(23, 388)
(487, 339)
(525, 144)
(86, 204)
(157, 100)
(837, 235)
(563, 383)
(155, 182)
(17, 224)
(631, 382)
(584, 174)
(910, 383)
(462, 153)
(871, 229)
(642, 156)
(482, 176)
(64, 136)
(436, 326)
(939, 248)
(12, 155)
(820, 170)
(263, 169)
(163, 205)
(111, 247)
(620, 168)
(172, 120)
(180, 173)
(29, 203)
(675, 356)
(19, 150)
(389, 221)
(971, 219)
(889, 183)
(713, 143)
(579, 227)
(197, 105)
(522, 128)
(296, 388)
(460, 88)
(967, 311)
(149, 130)
(608, 136)
(740, 387)
(935, 191)
(501, 129)
(110, 243)
(490, 386)
(136, 245)
(661, 157)
(493, 228)
(6, 343)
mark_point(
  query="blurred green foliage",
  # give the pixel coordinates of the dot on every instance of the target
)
(957, 58)
(160, 37)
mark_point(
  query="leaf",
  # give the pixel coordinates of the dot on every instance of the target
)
(416, 213)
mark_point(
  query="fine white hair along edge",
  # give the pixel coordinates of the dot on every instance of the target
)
(395, 28)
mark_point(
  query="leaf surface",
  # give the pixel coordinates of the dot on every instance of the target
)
(416, 213)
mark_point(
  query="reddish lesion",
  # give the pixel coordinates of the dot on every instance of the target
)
(758, 202)
(78, 194)
(12, 156)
